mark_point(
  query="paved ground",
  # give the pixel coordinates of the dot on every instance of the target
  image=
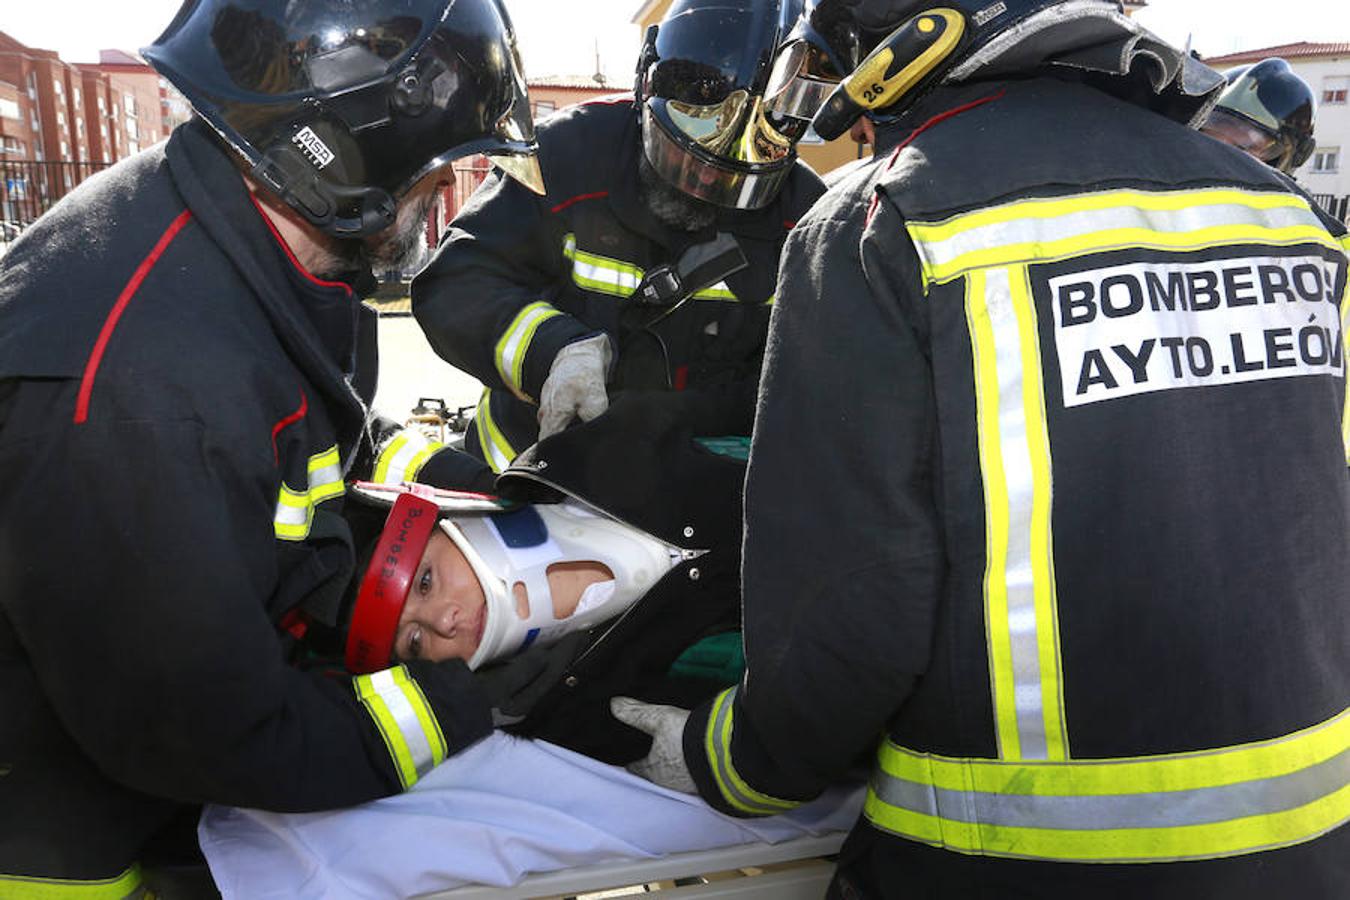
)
(410, 369)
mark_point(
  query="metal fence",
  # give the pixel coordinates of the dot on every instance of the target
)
(28, 187)
(1336, 206)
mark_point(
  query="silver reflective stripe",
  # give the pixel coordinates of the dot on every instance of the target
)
(733, 788)
(405, 718)
(1162, 809)
(1051, 228)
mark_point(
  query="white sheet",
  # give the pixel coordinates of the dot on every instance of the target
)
(504, 808)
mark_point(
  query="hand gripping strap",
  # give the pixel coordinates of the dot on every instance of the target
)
(384, 589)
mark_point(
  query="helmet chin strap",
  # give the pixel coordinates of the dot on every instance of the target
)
(285, 171)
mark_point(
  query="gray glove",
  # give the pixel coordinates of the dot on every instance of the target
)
(515, 685)
(665, 764)
(575, 386)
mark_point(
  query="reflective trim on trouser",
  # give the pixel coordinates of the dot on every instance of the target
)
(1021, 615)
(604, 275)
(497, 450)
(405, 720)
(514, 344)
(1064, 227)
(404, 456)
(295, 509)
(126, 886)
(717, 743)
(1183, 806)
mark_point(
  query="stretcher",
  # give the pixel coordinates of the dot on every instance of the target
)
(512, 818)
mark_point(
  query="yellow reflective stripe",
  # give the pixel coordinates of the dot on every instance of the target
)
(717, 744)
(514, 344)
(295, 509)
(404, 455)
(497, 450)
(1055, 207)
(995, 517)
(120, 887)
(1021, 618)
(718, 291)
(1197, 805)
(601, 274)
(1045, 230)
(605, 275)
(405, 721)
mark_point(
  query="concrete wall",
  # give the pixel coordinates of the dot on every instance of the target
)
(1332, 127)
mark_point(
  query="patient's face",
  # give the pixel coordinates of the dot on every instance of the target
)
(446, 608)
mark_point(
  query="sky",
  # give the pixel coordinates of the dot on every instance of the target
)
(556, 37)
(560, 38)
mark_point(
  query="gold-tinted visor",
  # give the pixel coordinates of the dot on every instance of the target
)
(736, 130)
(699, 173)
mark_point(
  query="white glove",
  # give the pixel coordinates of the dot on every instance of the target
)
(664, 765)
(575, 386)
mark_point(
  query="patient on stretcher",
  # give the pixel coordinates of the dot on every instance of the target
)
(625, 530)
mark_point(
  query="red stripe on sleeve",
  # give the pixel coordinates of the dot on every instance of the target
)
(110, 324)
(578, 198)
(287, 422)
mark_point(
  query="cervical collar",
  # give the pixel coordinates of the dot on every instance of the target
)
(521, 545)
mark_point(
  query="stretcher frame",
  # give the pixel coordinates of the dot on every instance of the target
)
(719, 873)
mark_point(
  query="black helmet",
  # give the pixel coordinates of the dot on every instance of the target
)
(726, 88)
(913, 44)
(1267, 110)
(340, 107)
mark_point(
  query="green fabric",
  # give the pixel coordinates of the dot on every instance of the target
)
(732, 446)
(719, 658)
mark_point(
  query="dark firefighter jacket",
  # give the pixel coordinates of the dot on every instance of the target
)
(179, 406)
(1077, 541)
(521, 276)
(639, 463)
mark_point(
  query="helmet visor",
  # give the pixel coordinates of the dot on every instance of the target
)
(1244, 135)
(678, 142)
(802, 80)
(705, 54)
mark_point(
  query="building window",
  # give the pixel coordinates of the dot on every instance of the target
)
(129, 100)
(132, 132)
(75, 95)
(11, 146)
(10, 109)
(101, 106)
(544, 108)
(32, 85)
(56, 86)
(61, 117)
(1335, 88)
(65, 150)
(134, 146)
(1327, 159)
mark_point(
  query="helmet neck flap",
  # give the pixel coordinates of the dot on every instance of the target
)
(921, 43)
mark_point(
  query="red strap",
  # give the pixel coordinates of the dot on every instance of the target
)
(384, 589)
(578, 199)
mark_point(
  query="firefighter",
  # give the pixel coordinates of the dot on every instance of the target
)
(185, 381)
(1267, 111)
(1075, 541)
(650, 262)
